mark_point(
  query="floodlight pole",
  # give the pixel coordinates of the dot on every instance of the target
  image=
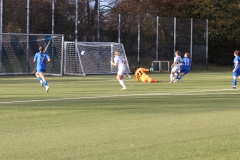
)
(1, 30)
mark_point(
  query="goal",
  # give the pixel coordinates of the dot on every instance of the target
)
(161, 66)
(95, 61)
(17, 52)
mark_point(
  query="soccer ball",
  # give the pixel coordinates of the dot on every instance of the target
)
(83, 53)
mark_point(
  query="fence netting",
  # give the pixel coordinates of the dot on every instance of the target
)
(146, 38)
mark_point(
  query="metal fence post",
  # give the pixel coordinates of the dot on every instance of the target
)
(1, 16)
(98, 22)
(53, 52)
(157, 36)
(76, 22)
(119, 28)
(139, 38)
(1, 30)
(53, 12)
(175, 34)
(207, 44)
(191, 39)
(27, 46)
(76, 37)
(98, 34)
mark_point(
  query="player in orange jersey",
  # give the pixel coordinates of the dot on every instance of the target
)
(141, 75)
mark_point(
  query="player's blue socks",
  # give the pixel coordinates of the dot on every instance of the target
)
(180, 77)
(234, 82)
(45, 83)
(39, 78)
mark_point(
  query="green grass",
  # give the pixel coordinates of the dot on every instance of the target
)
(90, 118)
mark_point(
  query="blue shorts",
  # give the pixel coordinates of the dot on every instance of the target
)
(184, 70)
(40, 70)
(236, 73)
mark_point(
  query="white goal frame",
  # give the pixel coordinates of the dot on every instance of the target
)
(17, 52)
(160, 66)
(97, 58)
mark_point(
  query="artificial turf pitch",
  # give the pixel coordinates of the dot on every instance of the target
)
(90, 118)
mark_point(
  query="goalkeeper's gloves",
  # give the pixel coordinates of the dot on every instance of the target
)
(151, 69)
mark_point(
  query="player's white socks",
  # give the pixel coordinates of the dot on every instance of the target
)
(171, 77)
(176, 74)
(122, 83)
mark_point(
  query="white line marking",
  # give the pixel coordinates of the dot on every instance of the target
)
(79, 81)
(193, 93)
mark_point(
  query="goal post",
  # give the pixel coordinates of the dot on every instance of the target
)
(17, 52)
(95, 61)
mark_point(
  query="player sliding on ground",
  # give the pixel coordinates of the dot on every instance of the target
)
(236, 70)
(120, 63)
(41, 58)
(141, 75)
(175, 66)
(186, 66)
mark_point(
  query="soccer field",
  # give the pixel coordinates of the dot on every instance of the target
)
(90, 118)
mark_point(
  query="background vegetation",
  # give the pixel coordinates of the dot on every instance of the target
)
(223, 15)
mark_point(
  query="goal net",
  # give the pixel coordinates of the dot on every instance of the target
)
(161, 66)
(17, 52)
(96, 59)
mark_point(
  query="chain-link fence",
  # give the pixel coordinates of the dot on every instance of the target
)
(146, 38)
(152, 38)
